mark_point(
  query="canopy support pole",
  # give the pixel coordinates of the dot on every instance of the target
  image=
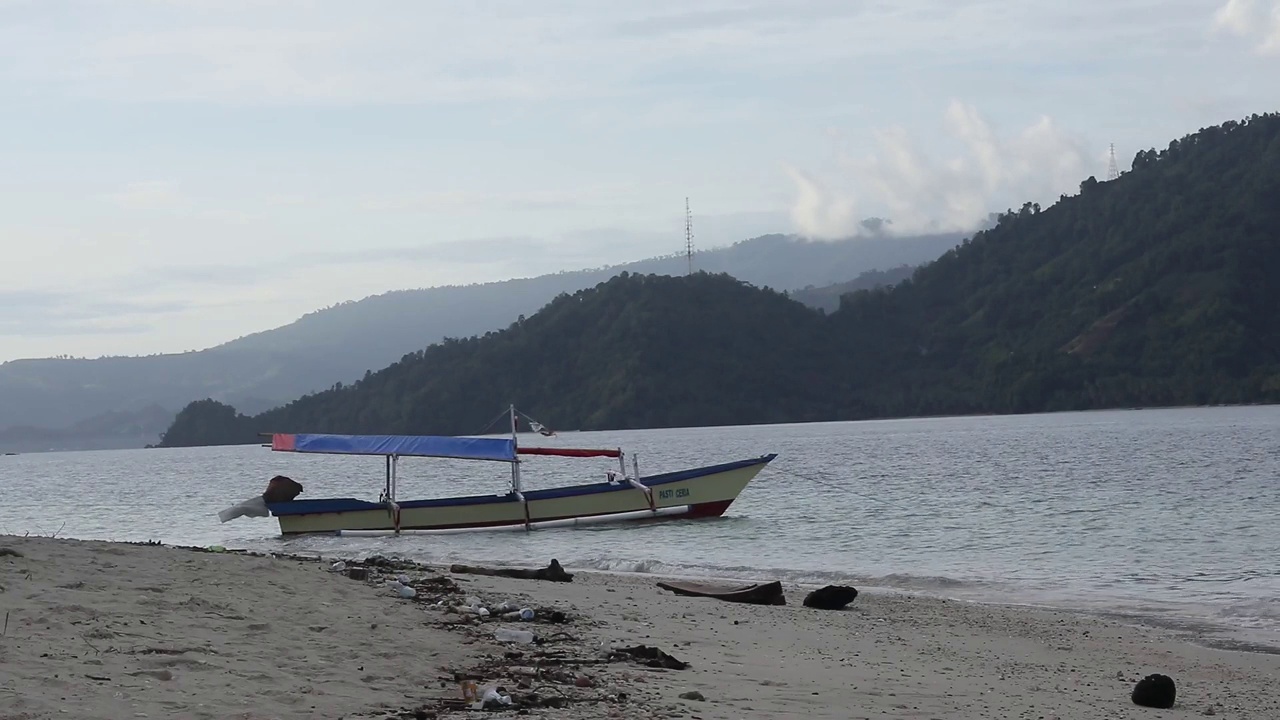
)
(515, 470)
(393, 507)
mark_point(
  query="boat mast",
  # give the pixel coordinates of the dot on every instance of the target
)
(515, 466)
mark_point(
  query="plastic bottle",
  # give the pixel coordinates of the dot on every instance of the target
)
(523, 637)
(491, 695)
(526, 614)
(406, 591)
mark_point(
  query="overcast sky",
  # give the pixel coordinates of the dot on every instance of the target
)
(176, 173)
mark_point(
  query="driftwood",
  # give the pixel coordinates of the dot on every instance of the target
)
(769, 593)
(552, 572)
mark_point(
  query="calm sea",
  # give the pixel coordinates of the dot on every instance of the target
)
(1168, 515)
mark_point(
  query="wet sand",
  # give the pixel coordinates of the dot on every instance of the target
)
(116, 631)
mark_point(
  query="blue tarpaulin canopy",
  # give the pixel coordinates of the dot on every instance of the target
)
(500, 449)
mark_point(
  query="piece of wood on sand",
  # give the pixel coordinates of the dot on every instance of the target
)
(552, 572)
(769, 593)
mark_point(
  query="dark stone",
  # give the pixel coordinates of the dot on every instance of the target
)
(1155, 691)
(831, 597)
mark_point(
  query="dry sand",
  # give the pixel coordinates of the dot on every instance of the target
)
(104, 630)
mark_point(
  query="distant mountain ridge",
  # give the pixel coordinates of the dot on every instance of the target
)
(1155, 289)
(343, 342)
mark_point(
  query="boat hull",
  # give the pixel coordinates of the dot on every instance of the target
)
(700, 492)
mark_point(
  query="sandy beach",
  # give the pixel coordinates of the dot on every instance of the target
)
(115, 631)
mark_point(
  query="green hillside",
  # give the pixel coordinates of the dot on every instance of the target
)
(48, 397)
(1153, 289)
(1158, 288)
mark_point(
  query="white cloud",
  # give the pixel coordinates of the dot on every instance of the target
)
(922, 194)
(449, 52)
(1255, 20)
(150, 195)
(288, 121)
(818, 212)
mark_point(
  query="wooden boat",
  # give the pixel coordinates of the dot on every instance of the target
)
(699, 492)
(769, 593)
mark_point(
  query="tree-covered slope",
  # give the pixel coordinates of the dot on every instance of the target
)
(627, 353)
(341, 342)
(1158, 288)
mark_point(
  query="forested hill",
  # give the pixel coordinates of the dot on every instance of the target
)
(1157, 288)
(340, 343)
(628, 353)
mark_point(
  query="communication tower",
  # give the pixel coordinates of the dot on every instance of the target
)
(1113, 170)
(688, 235)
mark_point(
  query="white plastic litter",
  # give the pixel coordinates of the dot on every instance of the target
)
(523, 637)
(253, 507)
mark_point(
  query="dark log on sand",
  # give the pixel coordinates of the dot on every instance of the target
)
(552, 572)
(769, 593)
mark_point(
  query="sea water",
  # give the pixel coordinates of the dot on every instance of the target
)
(1170, 516)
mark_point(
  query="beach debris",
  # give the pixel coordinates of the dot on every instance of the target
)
(1155, 691)
(523, 637)
(552, 572)
(9, 552)
(693, 695)
(650, 657)
(769, 593)
(386, 563)
(831, 597)
(492, 699)
(338, 567)
(279, 489)
(358, 573)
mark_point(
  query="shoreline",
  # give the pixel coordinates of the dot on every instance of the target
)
(885, 418)
(117, 630)
(1200, 631)
(1196, 630)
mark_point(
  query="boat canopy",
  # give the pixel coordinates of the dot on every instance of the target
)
(464, 448)
(569, 452)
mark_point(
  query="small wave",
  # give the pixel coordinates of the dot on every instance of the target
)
(1256, 612)
(786, 575)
